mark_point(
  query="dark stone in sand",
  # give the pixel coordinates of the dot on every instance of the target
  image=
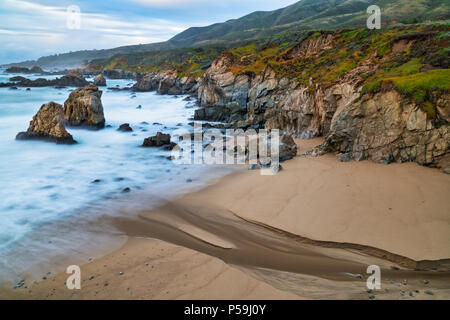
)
(126, 190)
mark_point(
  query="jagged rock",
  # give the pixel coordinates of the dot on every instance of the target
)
(34, 69)
(84, 108)
(17, 79)
(99, 81)
(17, 70)
(76, 73)
(48, 124)
(146, 83)
(444, 163)
(288, 147)
(166, 82)
(70, 81)
(125, 128)
(387, 127)
(159, 140)
(119, 74)
(67, 80)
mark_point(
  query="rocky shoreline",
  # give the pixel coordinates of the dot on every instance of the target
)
(382, 125)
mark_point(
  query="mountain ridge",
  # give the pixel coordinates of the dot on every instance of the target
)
(302, 15)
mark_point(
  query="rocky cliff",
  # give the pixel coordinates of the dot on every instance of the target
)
(379, 95)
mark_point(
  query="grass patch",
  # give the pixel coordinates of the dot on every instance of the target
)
(420, 85)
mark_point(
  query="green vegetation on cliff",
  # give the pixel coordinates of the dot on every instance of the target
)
(191, 61)
(413, 58)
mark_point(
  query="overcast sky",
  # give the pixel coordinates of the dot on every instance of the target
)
(30, 29)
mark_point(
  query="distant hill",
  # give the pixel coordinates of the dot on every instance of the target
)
(303, 15)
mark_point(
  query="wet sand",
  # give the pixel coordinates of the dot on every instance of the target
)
(308, 232)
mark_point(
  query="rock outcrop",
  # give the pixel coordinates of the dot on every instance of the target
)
(125, 128)
(387, 127)
(48, 125)
(64, 81)
(119, 74)
(288, 147)
(84, 108)
(99, 81)
(159, 140)
(328, 85)
(166, 82)
(34, 69)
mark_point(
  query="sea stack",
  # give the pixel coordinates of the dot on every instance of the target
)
(84, 108)
(48, 125)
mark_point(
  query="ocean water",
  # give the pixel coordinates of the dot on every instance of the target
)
(43, 185)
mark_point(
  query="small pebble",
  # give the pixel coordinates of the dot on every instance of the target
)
(429, 292)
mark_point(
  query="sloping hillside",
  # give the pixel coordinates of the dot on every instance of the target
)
(303, 15)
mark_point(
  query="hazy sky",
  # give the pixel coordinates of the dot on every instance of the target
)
(30, 29)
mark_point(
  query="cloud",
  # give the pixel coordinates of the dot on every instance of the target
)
(29, 30)
(32, 29)
(257, 4)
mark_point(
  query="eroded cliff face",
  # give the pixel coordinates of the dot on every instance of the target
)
(387, 127)
(383, 125)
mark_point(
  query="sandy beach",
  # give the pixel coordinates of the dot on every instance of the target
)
(308, 232)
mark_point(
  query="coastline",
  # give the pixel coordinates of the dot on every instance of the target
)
(199, 257)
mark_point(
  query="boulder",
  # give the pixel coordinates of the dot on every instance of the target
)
(159, 140)
(125, 128)
(146, 83)
(100, 81)
(48, 125)
(76, 73)
(288, 148)
(84, 108)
